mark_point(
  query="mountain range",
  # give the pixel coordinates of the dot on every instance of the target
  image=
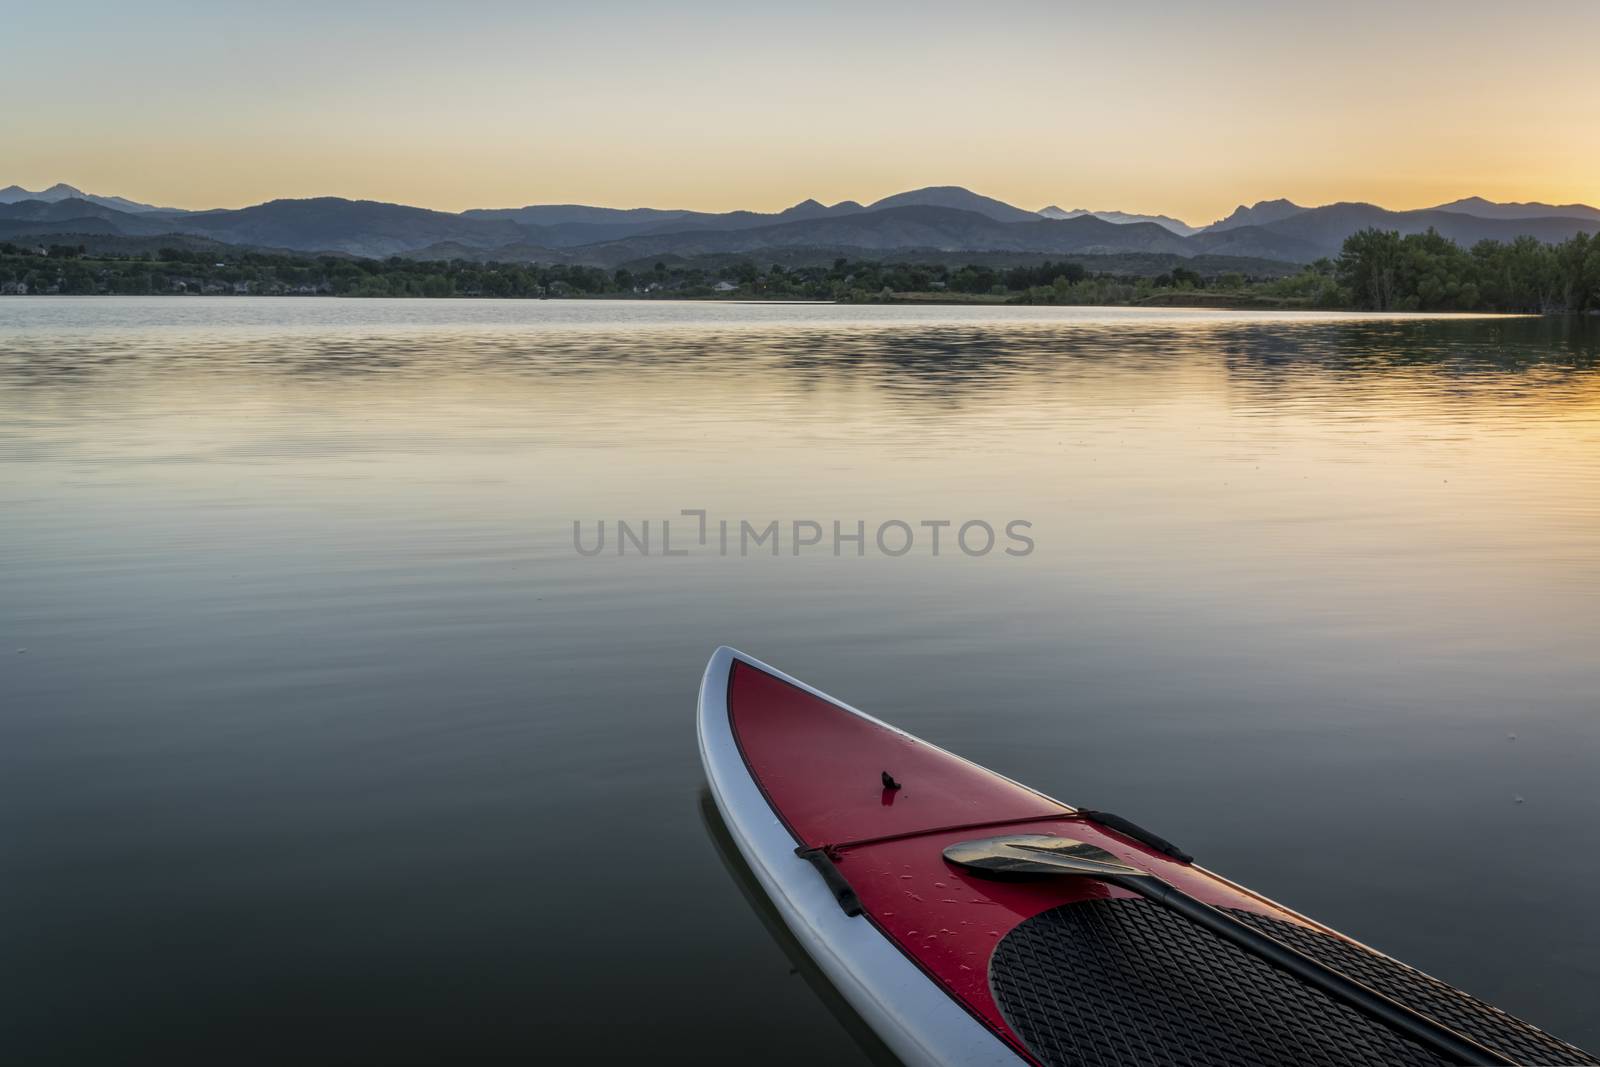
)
(935, 221)
(12, 194)
(1177, 226)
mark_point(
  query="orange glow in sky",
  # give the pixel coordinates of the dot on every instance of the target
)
(1186, 110)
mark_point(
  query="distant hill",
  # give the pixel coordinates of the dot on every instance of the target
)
(521, 252)
(328, 224)
(1132, 263)
(1260, 213)
(953, 196)
(938, 220)
(12, 194)
(1177, 226)
(815, 209)
(1319, 225)
(559, 214)
(1260, 242)
(46, 210)
(121, 245)
(360, 227)
(1488, 209)
(55, 231)
(1324, 229)
(572, 225)
(879, 231)
(34, 217)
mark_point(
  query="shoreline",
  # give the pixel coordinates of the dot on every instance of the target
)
(1209, 302)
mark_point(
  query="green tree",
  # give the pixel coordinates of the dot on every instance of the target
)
(1369, 266)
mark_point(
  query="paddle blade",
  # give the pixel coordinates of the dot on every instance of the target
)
(1032, 855)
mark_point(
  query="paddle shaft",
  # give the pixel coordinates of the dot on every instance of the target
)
(1435, 1037)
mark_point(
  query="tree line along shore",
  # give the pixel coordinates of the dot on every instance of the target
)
(1376, 270)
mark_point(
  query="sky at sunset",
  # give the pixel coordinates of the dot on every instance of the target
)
(1185, 109)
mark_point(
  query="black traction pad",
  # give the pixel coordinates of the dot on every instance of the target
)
(1124, 982)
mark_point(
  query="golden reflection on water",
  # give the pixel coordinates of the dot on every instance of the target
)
(302, 571)
(1295, 472)
(1085, 418)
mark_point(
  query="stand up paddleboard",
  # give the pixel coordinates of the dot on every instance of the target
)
(969, 919)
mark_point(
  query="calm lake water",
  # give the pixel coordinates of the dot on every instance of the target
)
(320, 743)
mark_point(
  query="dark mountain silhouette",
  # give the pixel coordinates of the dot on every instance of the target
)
(1260, 213)
(877, 232)
(559, 214)
(815, 209)
(954, 196)
(27, 217)
(333, 224)
(1324, 229)
(12, 194)
(57, 231)
(521, 252)
(1177, 226)
(571, 225)
(1259, 242)
(938, 220)
(1488, 209)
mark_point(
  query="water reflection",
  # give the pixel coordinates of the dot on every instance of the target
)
(914, 358)
(868, 1043)
(314, 682)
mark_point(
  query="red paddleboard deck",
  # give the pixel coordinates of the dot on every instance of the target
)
(844, 821)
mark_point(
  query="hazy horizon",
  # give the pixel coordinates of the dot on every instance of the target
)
(716, 107)
(39, 187)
